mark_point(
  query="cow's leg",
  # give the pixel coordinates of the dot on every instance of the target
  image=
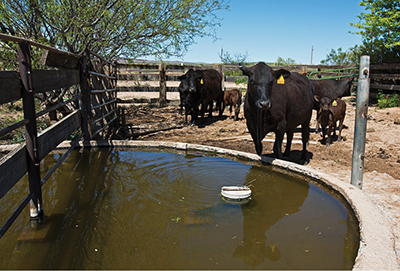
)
(278, 144)
(195, 114)
(305, 137)
(202, 111)
(256, 139)
(289, 135)
(230, 111)
(210, 108)
(220, 104)
(340, 129)
(334, 128)
(328, 140)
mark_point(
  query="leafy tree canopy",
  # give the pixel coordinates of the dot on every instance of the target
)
(285, 62)
(340, 57)
(233, 58)
(113, 28)
(380, 29)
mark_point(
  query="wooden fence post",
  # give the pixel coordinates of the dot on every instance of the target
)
(35, 187)
(85, 97)
(163, 85)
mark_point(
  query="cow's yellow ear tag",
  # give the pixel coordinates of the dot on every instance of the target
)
(334, 103)
(281, 80)
(201, 81)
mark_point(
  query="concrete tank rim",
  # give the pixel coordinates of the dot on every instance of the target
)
(377, 243)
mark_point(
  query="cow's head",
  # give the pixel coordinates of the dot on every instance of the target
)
(261, 81)
(193, 78)
(325, 103)
(183, 89)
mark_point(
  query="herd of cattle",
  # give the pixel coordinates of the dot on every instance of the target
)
(275, 101)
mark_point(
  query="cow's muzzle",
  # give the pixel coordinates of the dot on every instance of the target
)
(192, 89)
(264, 104)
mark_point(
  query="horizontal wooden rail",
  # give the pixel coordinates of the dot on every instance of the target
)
(13, 167)
(55, 134)
(43, 81)
(36, 44)
(104, 104)
(385, 87)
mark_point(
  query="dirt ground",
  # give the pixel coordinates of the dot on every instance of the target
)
(381, 179)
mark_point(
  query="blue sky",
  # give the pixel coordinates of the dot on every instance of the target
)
(268, 29)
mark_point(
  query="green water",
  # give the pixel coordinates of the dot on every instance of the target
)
(143, 209)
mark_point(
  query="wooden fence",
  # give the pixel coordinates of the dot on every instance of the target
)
(162, 78)
(91, 81)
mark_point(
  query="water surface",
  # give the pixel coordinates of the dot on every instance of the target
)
(147, 209)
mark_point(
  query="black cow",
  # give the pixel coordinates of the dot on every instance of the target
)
(183, 95)
(277, 101)
(204, 86)
(332, 89)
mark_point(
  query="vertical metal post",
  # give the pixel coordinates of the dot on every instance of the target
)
(35, 187)
(360, 128)
(163, 85)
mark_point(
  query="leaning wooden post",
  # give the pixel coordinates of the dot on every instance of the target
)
(163, 85)
(360, 123)
(35, 187)
(85, 97)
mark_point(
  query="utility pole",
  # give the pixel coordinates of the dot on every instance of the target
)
(312, 51)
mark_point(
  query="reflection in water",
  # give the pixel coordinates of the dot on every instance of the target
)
(124, 209)
(272, 201)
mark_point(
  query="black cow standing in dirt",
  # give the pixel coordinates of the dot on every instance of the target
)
(332, 89)
(183, 90)
(233, 98)
(330, 112)
(277, 101)
(204, 86)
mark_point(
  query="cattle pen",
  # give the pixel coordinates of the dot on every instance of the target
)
(90, 85)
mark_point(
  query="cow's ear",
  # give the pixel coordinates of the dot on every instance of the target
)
(182, 77)
(245, 70)
(283, 72)
(317, 98)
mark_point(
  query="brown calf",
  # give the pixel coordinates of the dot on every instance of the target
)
(233, 98)
(331, 111)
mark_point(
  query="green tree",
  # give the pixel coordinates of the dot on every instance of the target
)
(123, 28)
(380, 29)
(340, 57)
(234, 58)
(285, 62)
